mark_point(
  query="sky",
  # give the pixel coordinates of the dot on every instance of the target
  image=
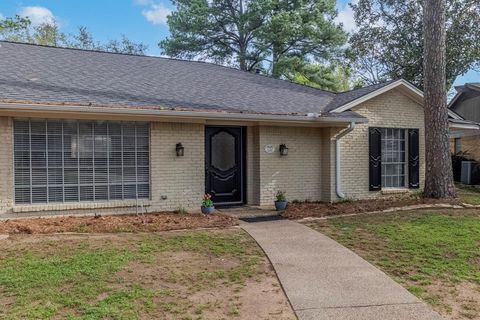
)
(140, 20)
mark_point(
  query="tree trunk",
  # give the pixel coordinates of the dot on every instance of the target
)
(275, 70)
(438, 175)
(241, 35)
(242, 62)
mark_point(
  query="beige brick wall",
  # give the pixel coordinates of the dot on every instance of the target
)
(6, 159)
(175, 181)
(391, 109)
(470, 145)
(253, 165)
(298, 174)
(180, 179)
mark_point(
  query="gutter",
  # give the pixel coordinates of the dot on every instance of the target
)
(175, 114)
(338, 173)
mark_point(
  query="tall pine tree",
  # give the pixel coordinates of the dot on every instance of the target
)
(439, 175)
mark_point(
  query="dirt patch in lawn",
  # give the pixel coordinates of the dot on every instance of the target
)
(460, 301)
(184, 282)
(323, 209)
(259, 298)
(209, 274)
(111, 224)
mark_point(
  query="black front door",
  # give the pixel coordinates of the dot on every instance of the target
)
(224, 164)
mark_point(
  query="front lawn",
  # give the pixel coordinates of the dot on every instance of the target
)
(182, 275)
(469, 194)
(435, 254)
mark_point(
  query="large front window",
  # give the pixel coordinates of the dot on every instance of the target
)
(67, 161)
(393, 157)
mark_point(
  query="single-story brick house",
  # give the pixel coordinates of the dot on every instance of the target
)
(94, 131)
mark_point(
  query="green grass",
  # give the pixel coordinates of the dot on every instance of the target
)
(80, 279)
(419, 249)
(469, 194)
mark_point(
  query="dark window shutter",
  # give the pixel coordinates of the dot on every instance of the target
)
(413, 159)
(375, 158)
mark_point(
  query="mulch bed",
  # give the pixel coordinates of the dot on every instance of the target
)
(120, 223)
(324, 209)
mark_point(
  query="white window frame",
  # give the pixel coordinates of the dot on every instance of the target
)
(388, 134)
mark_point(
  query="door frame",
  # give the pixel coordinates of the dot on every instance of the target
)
(243, 165)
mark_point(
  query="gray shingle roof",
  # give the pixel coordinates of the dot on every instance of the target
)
(349, 96)
(43, 74)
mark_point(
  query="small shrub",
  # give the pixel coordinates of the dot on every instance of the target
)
(418, 194)
(345, 200)
(280, 196)
(207, 201)
(180, 210)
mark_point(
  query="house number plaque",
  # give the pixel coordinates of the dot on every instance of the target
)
(269, 148)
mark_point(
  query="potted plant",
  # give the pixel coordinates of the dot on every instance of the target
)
(207, 204)
(281, 201)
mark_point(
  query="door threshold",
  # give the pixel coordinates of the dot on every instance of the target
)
(229, 205)
(273, 217)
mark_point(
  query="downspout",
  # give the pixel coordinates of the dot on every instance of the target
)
(338, 173)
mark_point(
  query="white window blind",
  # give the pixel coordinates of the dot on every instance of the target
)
(66, 161)
(393, 158)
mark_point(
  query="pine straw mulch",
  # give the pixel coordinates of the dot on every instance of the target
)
(152, 222)
(301, 210)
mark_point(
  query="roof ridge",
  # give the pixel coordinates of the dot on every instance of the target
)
(172, 59)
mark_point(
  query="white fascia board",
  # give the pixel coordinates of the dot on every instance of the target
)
(454, 115)
(464, 126)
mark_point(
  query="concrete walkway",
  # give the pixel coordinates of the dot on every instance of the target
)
(325, 280)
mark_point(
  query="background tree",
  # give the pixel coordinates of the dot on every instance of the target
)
(47, 34)
(83, 39)
(439, 174)
(20, 29)
(125, 45)
(332, 77)
(14, 29)
(278, 36)
(219, 30)
(389, 42)
(300, 29)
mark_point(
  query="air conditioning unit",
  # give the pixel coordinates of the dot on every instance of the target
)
(470, 174)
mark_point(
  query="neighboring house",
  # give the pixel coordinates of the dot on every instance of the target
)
(464, 122)
(103, 132)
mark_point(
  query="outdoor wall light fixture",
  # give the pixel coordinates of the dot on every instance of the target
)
(180, 150)
(283, 150)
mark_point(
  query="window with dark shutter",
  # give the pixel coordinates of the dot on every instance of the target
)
(413, 159)
(375, 159)
(65, 161)
(393, 158)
